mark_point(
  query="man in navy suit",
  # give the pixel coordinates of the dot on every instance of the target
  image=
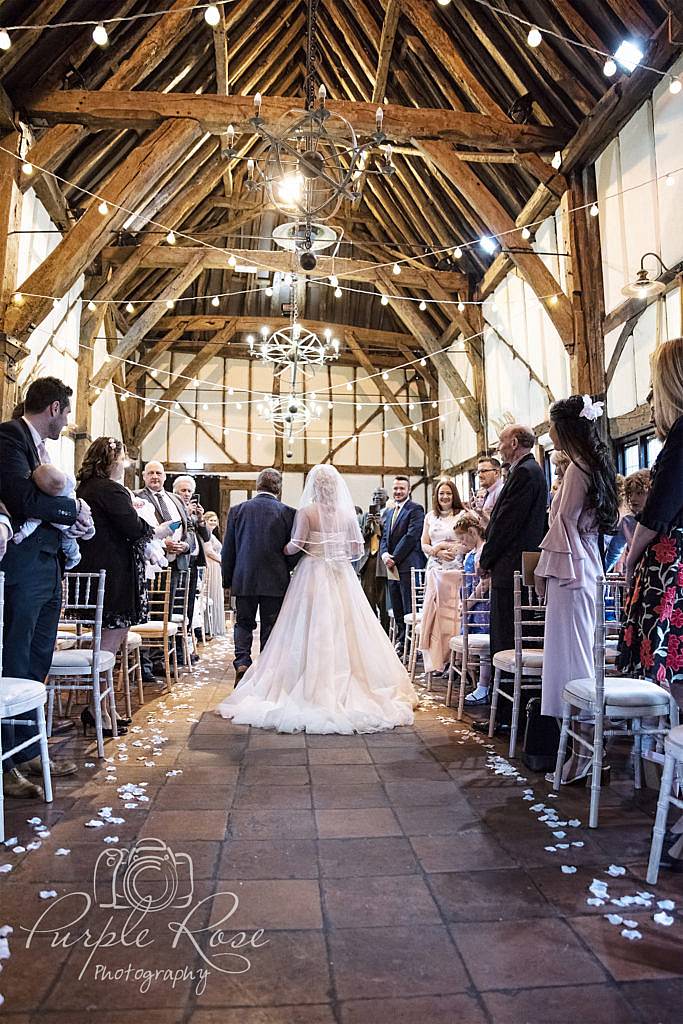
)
(255, 567)
(401, 550)
(33, 569)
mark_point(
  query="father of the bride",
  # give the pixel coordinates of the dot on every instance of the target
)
(255, 568)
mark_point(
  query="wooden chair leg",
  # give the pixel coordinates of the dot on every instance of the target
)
(494, 700)
(174, 652)
(660, 821)
(137, 666)
(562, 749)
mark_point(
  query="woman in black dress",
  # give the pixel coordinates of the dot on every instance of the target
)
(118, 545)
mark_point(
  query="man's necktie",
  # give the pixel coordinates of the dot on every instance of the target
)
(163, 506)
(43, 455)
(394, 516)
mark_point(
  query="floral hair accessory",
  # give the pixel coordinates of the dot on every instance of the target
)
(591, 410)
(113, 443)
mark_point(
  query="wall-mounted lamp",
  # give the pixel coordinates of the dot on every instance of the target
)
(644, 287)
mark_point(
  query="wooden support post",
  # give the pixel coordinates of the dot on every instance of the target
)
(11, 352)
(586, 286)
(83, 432)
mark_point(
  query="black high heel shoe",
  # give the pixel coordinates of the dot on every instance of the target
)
(88, 722)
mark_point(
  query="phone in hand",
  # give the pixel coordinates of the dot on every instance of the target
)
(373, 510)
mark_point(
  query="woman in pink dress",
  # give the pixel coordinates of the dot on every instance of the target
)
(584, 506)
(440, 608)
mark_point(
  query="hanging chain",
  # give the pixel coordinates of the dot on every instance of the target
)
(312, 52)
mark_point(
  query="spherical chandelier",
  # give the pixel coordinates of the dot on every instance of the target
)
(294, 344)
(289, 414)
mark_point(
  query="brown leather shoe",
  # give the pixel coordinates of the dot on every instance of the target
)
(15, 785)
(240, 671)
(57, 768)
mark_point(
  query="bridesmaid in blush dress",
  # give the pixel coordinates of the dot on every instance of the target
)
(570, 563)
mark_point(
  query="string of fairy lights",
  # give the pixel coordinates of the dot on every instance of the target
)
(627, 57)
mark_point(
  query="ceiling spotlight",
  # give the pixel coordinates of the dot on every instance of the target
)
(629, 55)
(594, 211)
(103, 208)
(99, 35)
(27, 169)
(212, 16)
(488, 244)
(643, 287)
(556, 161)
(534, 38)
(5, 41)
(675, 86)
(130, 308)
(396, 269)
(609, 68)
(422, 306)
(457, 252)
(170, 238)
(385, 300)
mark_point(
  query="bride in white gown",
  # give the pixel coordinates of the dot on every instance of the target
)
(328, 666)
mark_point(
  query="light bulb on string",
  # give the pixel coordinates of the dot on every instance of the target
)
(170, 303)
(556, 161)
(99, 35)
(349, 386)
(423, 362)
(337, 293)
(334, 281)
(594, 211)
(232, 261)
(553, 300)
(534, 38)
(385, 300)
(91, 307)
(212, 16)
(385, 375)
(422, 306)
(457, 252)
(18, 299)
(526, 234)
(5, 41)
(670, 180)
(269, 291)
(130, 308)
(675, 86)
(461, 307)
(215, 301)
(170, 238)
(103, 208)
(27, 169)
(396, 269)
(609, 68)
(488, 244)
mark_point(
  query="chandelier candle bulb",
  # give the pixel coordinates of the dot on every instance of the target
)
(257, 104)
(379, 119)
(322, 95)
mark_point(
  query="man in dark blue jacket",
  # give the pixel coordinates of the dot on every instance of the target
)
(33, 569)
(401, 550)
(255, 567)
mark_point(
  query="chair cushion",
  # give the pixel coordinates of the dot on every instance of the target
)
(620, 692)
(412, 617)
(532, 659)
(475, 642)
(133, 641)
(80, 659)
(20, 694)
(155, 627)
(674, 742)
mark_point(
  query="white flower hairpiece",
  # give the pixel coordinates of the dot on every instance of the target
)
(591, 410)
(112, 442)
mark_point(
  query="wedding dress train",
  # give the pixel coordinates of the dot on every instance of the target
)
(328, 666)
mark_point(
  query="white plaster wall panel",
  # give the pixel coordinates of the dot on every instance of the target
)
(622, 393)
(668, 136)
(612, 227)
(674, 328)
(638, 166)
(546, 242)
(645, 336)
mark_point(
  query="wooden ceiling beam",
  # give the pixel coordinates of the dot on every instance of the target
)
(531, 266)
(282, 262)
(142, 111)
(392, 12)
(144, 323)
(182, 381)
(158, 43)
(126, 188)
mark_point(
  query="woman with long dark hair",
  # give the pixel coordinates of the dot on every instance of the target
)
(584, 507)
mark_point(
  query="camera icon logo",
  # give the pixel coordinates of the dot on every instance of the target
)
(149, 876)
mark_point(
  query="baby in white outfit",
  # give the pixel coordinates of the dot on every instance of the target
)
(52, 481)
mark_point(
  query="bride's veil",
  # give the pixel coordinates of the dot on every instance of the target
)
(326, 523)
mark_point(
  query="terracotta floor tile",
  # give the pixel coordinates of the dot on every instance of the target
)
(270, 904)
(507, 893)
(330, 797)
(291, 969)
(434, 821)
(262, 739)
(193, 798)
(373, 902)
(296, 797)
(355, 823)
(592, 1004)
(275, 775)
(266, 1015)
(470, 850)
(659, 1001)
(338, 755)
(456, 1009)
(268, 858)
(178, 825)
(271, 755)
(658, 955)
(271, 824)
(491, 951)
(346, 858)
(343, 774)
(391, 962)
